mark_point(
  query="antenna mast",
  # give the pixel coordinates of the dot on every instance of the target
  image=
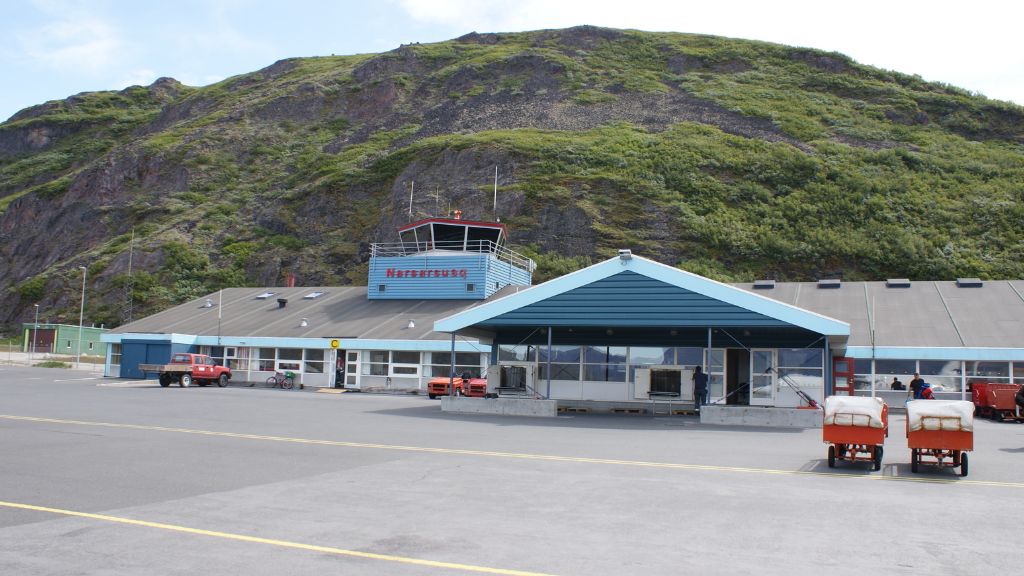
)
(126, 312)
(412, 189)
(496, 193)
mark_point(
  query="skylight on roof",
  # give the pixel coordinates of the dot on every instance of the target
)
(312, 295)
(265, 295)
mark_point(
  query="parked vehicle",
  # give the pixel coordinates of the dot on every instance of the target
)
(996, 401)
(465, 385)
(187, 368)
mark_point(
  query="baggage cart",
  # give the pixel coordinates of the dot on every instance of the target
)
(940, 433)
(855, 428)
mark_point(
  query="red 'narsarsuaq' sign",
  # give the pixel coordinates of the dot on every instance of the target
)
(427, 273)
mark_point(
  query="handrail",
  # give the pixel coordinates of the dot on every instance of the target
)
(386, 249)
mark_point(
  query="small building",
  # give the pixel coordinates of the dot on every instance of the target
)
(62, 339)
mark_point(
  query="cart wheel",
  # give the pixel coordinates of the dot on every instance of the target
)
(878, 458)
(963, 464)
(997, 415)
(913, 460)
(831, 456)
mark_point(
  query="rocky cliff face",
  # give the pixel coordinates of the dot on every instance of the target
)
(733, 159)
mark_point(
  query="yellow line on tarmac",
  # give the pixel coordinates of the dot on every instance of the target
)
(273, 542)
(521, 456)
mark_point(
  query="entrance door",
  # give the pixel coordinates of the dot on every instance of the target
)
(43, 340)
(762, 377)
(352, 369)
(842, 376)
(737, 376)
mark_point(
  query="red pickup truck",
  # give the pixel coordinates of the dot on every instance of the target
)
(186, 368)
(476, 387)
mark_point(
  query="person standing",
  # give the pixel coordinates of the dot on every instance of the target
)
(896, 384)
(915, 386)
(700, 388)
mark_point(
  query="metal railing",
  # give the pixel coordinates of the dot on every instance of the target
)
(433, 248)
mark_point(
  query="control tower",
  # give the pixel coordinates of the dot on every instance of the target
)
(446, 259)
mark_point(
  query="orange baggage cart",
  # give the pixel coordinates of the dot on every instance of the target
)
(855, 428)
(940, 433)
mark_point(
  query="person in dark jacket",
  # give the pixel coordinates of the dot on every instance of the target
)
(915, 386)
(896, 384)
(700, 388)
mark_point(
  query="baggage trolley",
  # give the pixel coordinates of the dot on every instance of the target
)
(855, 429)
(937, 436)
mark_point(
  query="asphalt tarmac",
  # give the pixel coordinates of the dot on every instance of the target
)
(105, 476)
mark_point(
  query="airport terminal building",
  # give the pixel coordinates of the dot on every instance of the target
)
(451, 294)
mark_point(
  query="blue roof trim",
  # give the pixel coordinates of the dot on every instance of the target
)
(785, 313)
(946, 353)
(153, 337)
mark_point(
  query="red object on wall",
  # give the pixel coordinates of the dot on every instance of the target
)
(291, 279)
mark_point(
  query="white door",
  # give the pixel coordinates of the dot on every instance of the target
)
(352, 369)
(762, 377)
(641, 383)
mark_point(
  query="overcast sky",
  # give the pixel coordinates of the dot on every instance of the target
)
(51, 49)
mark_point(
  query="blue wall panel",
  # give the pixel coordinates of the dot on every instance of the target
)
(501, 273)
(134, 353)
(631, 299)
(438, 277)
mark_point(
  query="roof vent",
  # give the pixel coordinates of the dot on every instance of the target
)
(265, 295)
(304, 323)
(897, 283)
(208, 303)
(312, 295)
(282, 302)
(764, 284)
(829, 283)
(968, 282)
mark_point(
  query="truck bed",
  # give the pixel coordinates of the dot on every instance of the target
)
(165, 368)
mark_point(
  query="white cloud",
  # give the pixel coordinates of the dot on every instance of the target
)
(73, 45)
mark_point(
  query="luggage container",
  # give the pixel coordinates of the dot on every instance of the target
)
(940, 433)
(855, 428)
(995, 401)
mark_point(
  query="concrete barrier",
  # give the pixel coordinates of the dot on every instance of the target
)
(500, 406)
(760, 416)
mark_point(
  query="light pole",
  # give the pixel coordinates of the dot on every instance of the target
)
(35, 337)
(81, 317)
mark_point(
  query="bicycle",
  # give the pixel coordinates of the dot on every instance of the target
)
(284, 380)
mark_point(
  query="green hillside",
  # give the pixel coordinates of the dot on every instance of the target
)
(730, 158)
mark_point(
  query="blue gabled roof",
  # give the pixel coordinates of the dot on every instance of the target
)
(638, 292)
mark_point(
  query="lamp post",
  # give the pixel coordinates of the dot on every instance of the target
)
(35, 337)
(81, 317)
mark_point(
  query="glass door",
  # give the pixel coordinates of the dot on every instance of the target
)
(762, 377)
(352, 369)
